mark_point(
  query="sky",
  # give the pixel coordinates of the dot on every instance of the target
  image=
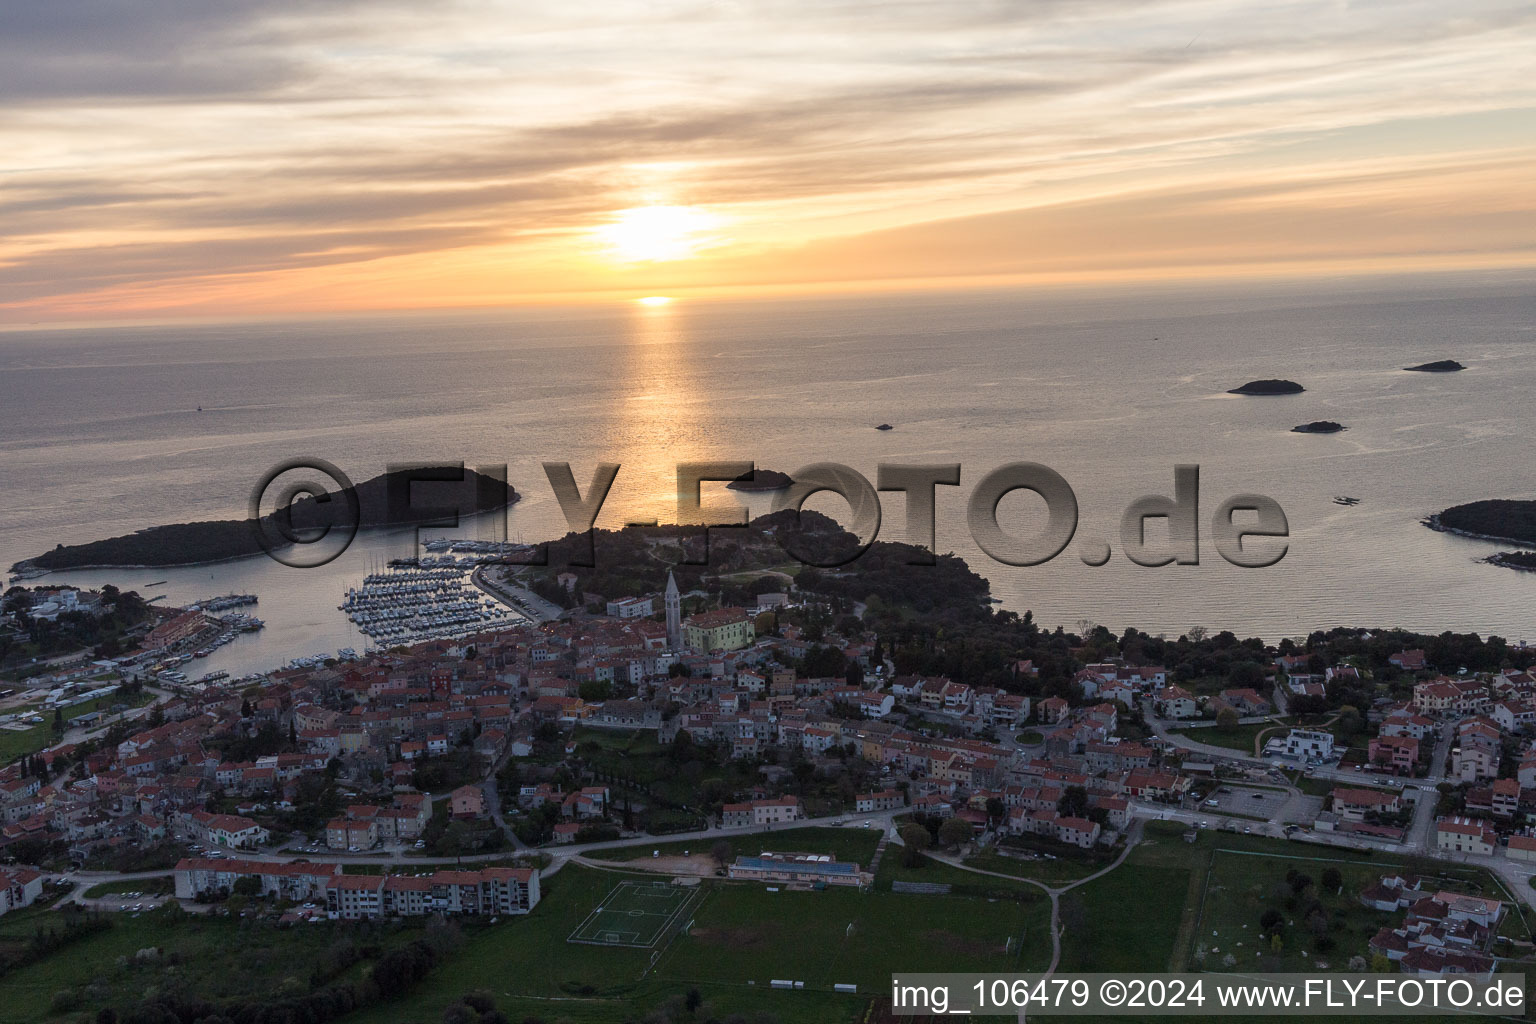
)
(231, 157)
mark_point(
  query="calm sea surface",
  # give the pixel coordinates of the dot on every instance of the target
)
(100, 433)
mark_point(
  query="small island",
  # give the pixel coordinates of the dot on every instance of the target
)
(885, 426)
(1501, 519)
(1525, 561)
(379, 501)
(1438, 366)
(762, 480)
(1318, 427)
(1268, 387)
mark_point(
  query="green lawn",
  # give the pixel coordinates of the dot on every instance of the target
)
(849, 842)
(1129, 920)
(842, 936)
(893, 868)
(1164, 880)
(1051, 872)
(1239, 738)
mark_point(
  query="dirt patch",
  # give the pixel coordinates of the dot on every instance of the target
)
(735, 938)
(695, 864)
(949, 940)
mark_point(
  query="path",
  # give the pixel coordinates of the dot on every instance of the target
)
(1053, 892)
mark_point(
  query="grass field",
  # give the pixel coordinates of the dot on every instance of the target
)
(1239, 887)
(1240, 738)
(1051, 872)
(634, 914)
(745, 935)
(740, 933)
(1164, 880)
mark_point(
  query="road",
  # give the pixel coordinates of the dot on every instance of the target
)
(515, 596)
(558, 854)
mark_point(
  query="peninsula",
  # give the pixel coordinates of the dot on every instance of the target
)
(1438, 366)
(226, 539)
(1500, 519)
(1524, 561)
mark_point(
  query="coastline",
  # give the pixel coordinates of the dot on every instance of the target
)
(1433, 522)
(28, 566)
(1500, 559)
(40, 572)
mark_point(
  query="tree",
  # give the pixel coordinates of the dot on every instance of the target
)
(720, 852)
(1073, 802)
(1270, 920)
(1227, 719)
(1333, 879)
(915, 839)
(693, 1000)
(955, 831)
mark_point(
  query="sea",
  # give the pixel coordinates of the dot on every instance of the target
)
(109, 429)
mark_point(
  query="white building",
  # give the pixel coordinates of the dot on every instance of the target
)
(1308, 744)
(632, 608)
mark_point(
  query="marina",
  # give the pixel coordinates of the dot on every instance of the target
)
(411, 605)
(219, 604)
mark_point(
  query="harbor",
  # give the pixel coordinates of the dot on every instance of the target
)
(410, 605)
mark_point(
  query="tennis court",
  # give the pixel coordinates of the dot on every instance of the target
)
(634, 914)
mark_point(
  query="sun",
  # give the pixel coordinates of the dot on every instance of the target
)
(652, 234)
(655, 300)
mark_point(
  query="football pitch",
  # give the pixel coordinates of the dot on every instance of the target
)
(636, 914)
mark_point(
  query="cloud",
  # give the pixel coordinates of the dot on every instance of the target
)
(158, 141)
(133, 49)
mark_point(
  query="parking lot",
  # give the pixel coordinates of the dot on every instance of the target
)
(128, 902)
(1243, 800)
